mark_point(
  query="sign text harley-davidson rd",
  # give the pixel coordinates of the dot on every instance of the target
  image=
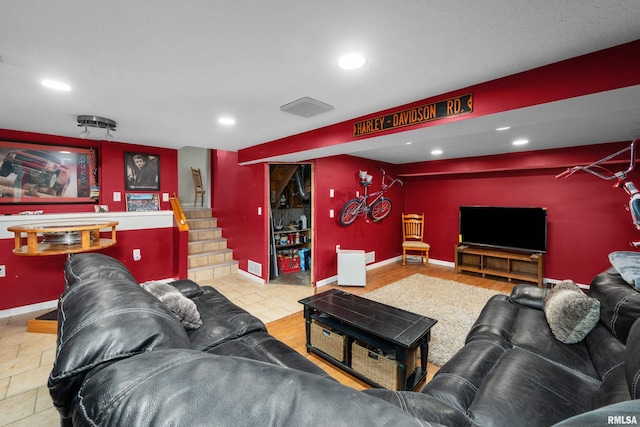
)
(412, 116)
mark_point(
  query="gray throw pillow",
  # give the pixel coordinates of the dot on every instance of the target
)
(184, 309)
(571, 314)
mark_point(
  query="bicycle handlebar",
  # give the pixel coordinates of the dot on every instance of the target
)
(617, 175)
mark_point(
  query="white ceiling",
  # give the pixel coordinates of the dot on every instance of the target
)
(166, 70)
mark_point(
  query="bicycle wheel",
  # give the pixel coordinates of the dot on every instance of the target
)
(380, 209)
(349, 212)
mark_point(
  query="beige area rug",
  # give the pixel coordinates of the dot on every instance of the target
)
(454, 305)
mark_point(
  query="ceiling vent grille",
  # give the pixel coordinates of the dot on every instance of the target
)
(306, 107)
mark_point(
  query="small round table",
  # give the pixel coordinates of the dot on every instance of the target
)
(57, 238)
(62, 238)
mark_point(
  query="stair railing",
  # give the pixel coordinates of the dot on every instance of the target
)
(178, 213)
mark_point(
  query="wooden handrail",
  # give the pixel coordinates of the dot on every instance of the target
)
(178, 213)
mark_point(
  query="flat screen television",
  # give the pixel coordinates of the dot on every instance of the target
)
(514, 228)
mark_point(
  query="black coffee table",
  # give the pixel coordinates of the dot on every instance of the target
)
(396, 333)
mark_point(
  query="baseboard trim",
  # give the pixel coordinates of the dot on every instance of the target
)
(250, 276)
(17, 311)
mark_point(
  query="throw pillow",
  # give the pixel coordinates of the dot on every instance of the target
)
(627, 264)
(571, 314)
(184, 309)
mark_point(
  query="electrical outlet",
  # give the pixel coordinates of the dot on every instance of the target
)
(337, 248)
(3, 271)
(136, 255)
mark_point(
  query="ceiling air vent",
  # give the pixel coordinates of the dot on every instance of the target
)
(306, 107)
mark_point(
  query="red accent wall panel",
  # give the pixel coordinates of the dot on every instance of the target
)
(27, 284)
(238, 191)
(587, 218)
(31, 280)
(111, 172)
(341, 174)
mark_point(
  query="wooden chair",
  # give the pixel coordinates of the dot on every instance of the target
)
(197, 184)
(413, 236)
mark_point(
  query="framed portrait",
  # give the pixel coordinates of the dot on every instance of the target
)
(142, 202)
(42, 173)
(141, 171)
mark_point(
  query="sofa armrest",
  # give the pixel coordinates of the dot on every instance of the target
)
(187, 287)
(423, 407)
(529, 296)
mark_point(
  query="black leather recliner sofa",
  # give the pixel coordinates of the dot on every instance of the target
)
(124, 359)
(513, 371)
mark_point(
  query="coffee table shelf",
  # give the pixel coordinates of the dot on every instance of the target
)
(396, 334)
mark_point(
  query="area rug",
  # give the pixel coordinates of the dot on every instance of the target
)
(455, 305)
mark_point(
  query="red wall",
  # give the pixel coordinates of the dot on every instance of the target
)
(587, 218)
(341, 174)
(238, 191)
(32, 280)
(111, 171)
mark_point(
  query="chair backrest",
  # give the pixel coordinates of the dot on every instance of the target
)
(412, 226)
(197, 180)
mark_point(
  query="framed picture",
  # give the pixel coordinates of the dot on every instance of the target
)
(142, 202)
(141, 171)
(41, 173)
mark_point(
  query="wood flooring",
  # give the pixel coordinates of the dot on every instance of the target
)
(291, 329)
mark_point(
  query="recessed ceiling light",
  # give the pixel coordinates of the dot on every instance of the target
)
(228, 121)
(351, 61)
(54, 84)
(503, 128)
(408, 143)
(436, 152)
(520, 142)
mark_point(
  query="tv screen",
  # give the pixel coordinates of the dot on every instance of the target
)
(515, 228)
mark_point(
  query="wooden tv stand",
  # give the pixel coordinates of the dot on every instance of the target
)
(512, 265)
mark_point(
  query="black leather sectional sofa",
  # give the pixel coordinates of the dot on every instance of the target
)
(124, 358)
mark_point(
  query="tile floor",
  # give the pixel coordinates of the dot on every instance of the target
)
(26, 358)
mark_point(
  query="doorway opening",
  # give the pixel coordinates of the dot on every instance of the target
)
(291, 230)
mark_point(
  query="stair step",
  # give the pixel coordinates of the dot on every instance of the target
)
(201, 246)
(210, 258)
(191, 213)
(200, 223)
(205, 234)
(216, 271)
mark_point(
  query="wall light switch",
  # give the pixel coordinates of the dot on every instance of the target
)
(116, 196)
(165, 197)
(136, 255)
(259, 210)
(331, 193)
(331, 213)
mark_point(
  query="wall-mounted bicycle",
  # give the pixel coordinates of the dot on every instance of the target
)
(622, 181)
(377, 209)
